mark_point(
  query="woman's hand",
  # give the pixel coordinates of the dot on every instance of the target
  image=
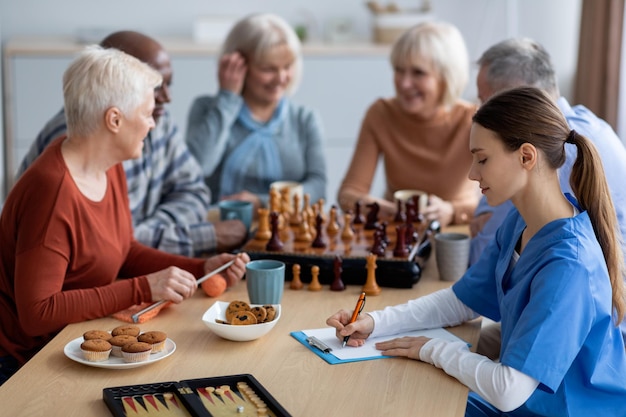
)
(404, 346)
(173, 284)
(438, 209)
(233, 273)
(358, 331)
(231, 73)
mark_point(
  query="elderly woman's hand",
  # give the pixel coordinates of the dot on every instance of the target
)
(438, 209)
(173, 284)
(232, 72)
(233, 273)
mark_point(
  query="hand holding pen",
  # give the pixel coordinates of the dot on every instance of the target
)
(357, 330)
(357, 310)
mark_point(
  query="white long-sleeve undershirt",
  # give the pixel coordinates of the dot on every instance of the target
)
(502, 386)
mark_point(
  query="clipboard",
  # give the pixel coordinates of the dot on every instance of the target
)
(348, 354)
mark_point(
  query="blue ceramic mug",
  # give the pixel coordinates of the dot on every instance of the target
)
(265, 280)
(236, 210)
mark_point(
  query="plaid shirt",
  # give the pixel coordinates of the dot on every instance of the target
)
(168, 198)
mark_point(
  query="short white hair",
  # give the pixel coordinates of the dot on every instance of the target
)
(443, 45)
(99, 79)
(255, 35)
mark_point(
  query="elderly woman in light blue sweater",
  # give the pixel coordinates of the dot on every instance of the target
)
(250, 134)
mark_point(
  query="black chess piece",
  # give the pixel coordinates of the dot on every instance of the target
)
(400, 215)
(379, 246)
(274, 244)
(318, 242)
(400, 251)
(337, 284)
(372, 216)
(411, 211)
(358, 217)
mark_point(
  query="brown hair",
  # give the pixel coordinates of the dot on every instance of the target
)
(529, 115)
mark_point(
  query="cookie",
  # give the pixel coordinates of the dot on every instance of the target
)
(260, 313)
(234, 307)
(271, 313)
(243, 317)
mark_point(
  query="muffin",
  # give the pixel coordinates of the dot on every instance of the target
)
(97, 334)
(154, 338)
(96, 350)
(126, 329)
(118, 341)
(136, 351)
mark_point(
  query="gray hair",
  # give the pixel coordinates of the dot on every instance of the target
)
(255, 35)
(443, 44)
(519, 62)
(99, 79)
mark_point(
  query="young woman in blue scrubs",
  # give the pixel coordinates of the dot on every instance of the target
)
(552, 276)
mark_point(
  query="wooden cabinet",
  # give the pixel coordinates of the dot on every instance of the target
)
(339, 81)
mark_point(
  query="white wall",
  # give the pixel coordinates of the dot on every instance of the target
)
(554, 23)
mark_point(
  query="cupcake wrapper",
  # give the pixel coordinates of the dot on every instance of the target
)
(136, 356)
(93, 356)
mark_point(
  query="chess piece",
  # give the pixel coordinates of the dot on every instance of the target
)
(333, 226)
(306, 205)
(379, 246)
(419, 217)
(411, 211)
(296, 215)
(274, 244)
(400, 251)
(304, 232)
(275, 206)
(358, 217)
(337, 284)
(347, 233)
(263, 231)
(296, 283)
(383, 233)
(371, 286)
(285, 205)
(318, 242)
(400, 215)
(371, 221)
(315, 282)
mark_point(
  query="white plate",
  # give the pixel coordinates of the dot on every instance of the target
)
(72, 351)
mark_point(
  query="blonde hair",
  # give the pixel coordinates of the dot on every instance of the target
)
(99, 79)
(255, 35)
(443, 45)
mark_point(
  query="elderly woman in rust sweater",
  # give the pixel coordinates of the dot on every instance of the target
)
(422, 133)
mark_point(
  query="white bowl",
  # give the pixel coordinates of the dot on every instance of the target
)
(237, 333)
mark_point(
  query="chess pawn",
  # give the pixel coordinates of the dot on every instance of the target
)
(400, 215)
(400, 251)
(333, 226)
(347, 233)
(306, 205)
(320, 205)
(358, 217)
(371, 286)
(274, 244)
(263, 232)
(304, 232)
(315, 282)
(318, 242)
(296, 283)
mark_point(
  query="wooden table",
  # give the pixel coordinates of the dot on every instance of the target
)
(52, 384)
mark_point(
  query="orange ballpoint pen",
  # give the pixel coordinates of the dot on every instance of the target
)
(357, 310)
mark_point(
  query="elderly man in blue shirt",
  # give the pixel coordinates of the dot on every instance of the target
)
(524, 62)
(169, 200)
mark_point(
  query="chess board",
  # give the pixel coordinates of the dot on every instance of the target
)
(391, 271)
(233, 395)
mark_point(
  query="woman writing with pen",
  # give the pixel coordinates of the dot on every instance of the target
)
(552, 276)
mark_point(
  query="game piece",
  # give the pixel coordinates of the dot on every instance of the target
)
(371, 221)
(358, 217)
(411, 213)
(274, 244)
(409, 234)
(371, 286)
(400, 215)
(296, 283)
(400, 251)
(383, 232)
(419, 217)
(318, 242)
(320, 204)
(296, 216)
(285, 205)
(315, 281)
(379, 246)
(263, 231)
(337, 284)
(304, 233)
(347, 233)
(333, 226)
(306, 205)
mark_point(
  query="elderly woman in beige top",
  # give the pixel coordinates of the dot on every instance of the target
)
(422, 133)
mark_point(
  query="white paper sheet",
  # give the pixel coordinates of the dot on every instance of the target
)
(327, 336)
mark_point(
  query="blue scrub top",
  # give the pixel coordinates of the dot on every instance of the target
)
(556, 311)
